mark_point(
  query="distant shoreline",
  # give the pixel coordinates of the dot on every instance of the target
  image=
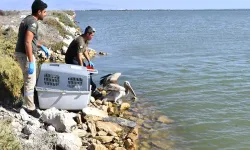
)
(165, 10)
(246, 9)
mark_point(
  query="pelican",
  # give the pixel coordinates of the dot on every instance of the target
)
(114, 91)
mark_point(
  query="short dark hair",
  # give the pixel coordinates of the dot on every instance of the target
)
(38, 5)
(89, 30)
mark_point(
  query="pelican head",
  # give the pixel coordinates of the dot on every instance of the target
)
(128, 88)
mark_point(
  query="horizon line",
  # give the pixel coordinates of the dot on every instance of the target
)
(134, 9)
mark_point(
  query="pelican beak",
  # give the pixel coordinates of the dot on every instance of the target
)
(128, 87)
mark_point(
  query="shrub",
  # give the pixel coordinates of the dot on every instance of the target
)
(11, 78)
(9, 13)
(57, 46)
(8, 39)
(69, 12)
(64, 19)
(55, 24)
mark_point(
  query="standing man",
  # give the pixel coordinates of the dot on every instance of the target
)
(26, 46)
(79, 47)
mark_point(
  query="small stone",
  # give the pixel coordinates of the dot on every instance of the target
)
(165, 119)
(145, 144)
(105, 108)
(147, 126)
(161, 145)
(105, 139)
(97, 147)
(104, 93)
(125, 106)
(105, 103)
(98, 102)
(92, 99)
(51, 129)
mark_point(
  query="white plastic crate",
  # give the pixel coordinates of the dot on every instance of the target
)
(63, 86)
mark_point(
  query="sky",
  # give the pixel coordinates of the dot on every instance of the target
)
(128, 4)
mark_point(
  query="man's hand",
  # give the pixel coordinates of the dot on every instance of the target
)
(91, 64)
(46, 51)
(31, 68)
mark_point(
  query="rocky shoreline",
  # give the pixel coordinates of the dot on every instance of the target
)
(102, 126)
(59, 129)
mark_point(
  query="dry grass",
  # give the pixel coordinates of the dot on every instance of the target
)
(8, 141)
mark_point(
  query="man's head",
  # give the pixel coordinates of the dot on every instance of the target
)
(39, 9)
(89, 33)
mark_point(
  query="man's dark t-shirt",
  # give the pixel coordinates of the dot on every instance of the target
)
(29, 23)
(78, 45)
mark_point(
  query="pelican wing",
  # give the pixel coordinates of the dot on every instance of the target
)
(110, 78)
(105, 80)
(114, 87)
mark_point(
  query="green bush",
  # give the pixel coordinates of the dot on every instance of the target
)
(69, 12)
(57, 46)
(8, 141)
(55, 24)
(8, 39)
(64, 19)
(11, 78)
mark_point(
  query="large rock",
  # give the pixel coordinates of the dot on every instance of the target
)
(51, 129)
(68, 141)
(80, 133)
(34, 122)
(92, 127)
(17, 126)
(24, 115)
(28, 130)
(94, 112)
(63, 122)
(120, 121)
(108, 127)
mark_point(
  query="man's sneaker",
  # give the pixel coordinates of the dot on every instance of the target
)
(34, 113)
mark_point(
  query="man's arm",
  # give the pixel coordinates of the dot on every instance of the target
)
(28, 45)
(39, 44)
(86, 55)
(79, 57)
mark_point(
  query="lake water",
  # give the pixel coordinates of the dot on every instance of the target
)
(192, 66)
